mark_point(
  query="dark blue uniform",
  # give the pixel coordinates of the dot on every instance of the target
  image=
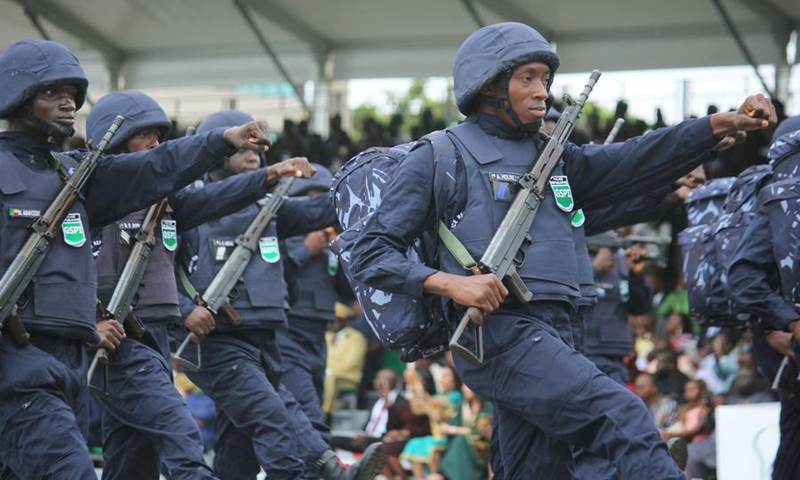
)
(547, 396)
(241, 367)
(754, 282)
(303, 347)
(43, 386)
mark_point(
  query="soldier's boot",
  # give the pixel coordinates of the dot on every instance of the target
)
(370, 465)
(679, 451)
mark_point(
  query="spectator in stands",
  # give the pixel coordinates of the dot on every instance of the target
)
(468, 454)
(725, 353)
(691, 422)
(442, 409)
(347, 348)
(395, 135)
(669, 379)
(338, 146)
(385, 384)
(678, 330)
(663, 408)
(403, 424)
(750, 387)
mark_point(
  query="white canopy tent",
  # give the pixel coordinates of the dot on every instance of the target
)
(147, 44)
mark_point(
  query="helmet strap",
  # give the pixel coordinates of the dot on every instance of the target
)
(56, 132)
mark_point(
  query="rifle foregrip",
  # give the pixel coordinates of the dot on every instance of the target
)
(134, 326)
(17, 329)
(230, 314)
(517, 287)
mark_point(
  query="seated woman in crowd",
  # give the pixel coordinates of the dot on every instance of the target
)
(403, 425)
(467, 457)
(442, 409)
(692, 415)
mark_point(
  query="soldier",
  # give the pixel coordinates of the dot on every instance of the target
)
(547, 396)
(145, 420)
(303, 348)
(765, 284)
(241, 366)
(43, 389)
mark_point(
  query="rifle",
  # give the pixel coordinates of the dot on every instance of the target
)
(499, 257)
(216, 297)
(120, 307)
(656, 251)
(614, 131)
(19, 274)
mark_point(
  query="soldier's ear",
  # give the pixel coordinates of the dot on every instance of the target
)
(490, 89)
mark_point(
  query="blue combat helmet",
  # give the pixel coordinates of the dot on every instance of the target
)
(140, 110)
(28, 66)
(494, 50)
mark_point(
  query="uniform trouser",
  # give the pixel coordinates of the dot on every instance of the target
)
(304, 355)
(44, 409)
(241, 372)
(548, 397)
(145, 420)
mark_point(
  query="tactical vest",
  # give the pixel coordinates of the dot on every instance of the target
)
(261, 296)
(549, 267)
(61, 296)
(608, 331)
(585, 271)
(316, 285)
(781, 201)
(157, 297)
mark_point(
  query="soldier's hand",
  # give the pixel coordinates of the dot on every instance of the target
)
(485, 292)
(794, 327)
(250, 136)
(316, 242)
(634, 257)
(603, 260)
(111, 334)
(293, 167)
(200, 321)
(781, 342)
(756, 112)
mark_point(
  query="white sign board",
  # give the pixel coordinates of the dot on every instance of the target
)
(747, 439)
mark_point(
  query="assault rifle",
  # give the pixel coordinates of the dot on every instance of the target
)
(216, 298)
(120, 307)
(614, 131)
(656, 247)
(19, 274)
(500, 256)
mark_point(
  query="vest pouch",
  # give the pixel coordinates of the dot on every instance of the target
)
(705, 204)
(324, 299)
(264, 285)
(781, 201)
(73, 301)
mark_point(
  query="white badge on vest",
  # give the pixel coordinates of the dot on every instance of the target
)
(72, 227)
(269, 249)
(562, 192)
(169, 234)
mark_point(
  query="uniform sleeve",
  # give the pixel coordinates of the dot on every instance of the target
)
(750, 272)
(602, 175)
(299, 216)
(299, 254)
(640, 209)
(378, 256)
(125, 183)
(196, 206)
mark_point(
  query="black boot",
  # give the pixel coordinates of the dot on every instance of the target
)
(679, 451)
(370, 465)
